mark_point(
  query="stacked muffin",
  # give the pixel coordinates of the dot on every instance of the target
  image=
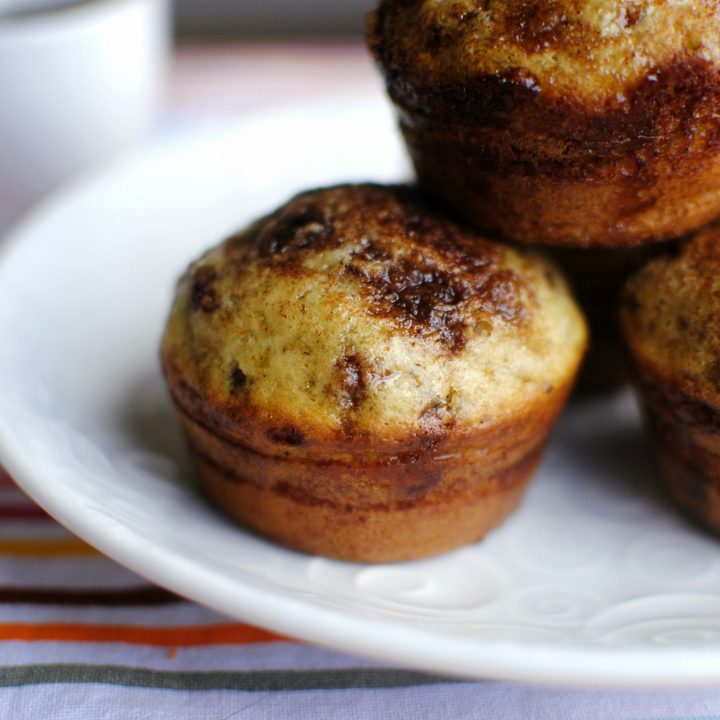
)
(669, 316)
(589, 126)
(567, 122)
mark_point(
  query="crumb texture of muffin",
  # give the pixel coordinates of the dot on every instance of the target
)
(567, 122)
(361, 378)
(670, 317)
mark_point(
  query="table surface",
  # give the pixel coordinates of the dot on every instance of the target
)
(81, 637)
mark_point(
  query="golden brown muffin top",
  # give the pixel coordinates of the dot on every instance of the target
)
(354, 311)
(591, 50)
(670, 315)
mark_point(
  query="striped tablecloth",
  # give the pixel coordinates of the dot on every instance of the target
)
(81, 637)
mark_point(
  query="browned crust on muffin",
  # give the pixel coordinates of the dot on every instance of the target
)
(373, 535)
(545, 171)
(686, 431)
(435, 274)
(274, 435)
(572, 51)
(514, 156)
(380, 505)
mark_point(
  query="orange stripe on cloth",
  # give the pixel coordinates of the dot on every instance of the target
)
(51, 547)
(226, 634)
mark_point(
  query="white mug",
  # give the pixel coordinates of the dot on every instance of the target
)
(79, 81)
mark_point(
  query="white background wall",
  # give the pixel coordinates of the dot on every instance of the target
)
(240, 18)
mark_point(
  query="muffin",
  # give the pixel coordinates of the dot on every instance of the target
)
(670, 318)
(566, 122)
(363, 379)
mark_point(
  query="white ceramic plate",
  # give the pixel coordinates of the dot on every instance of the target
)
(595, 581)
